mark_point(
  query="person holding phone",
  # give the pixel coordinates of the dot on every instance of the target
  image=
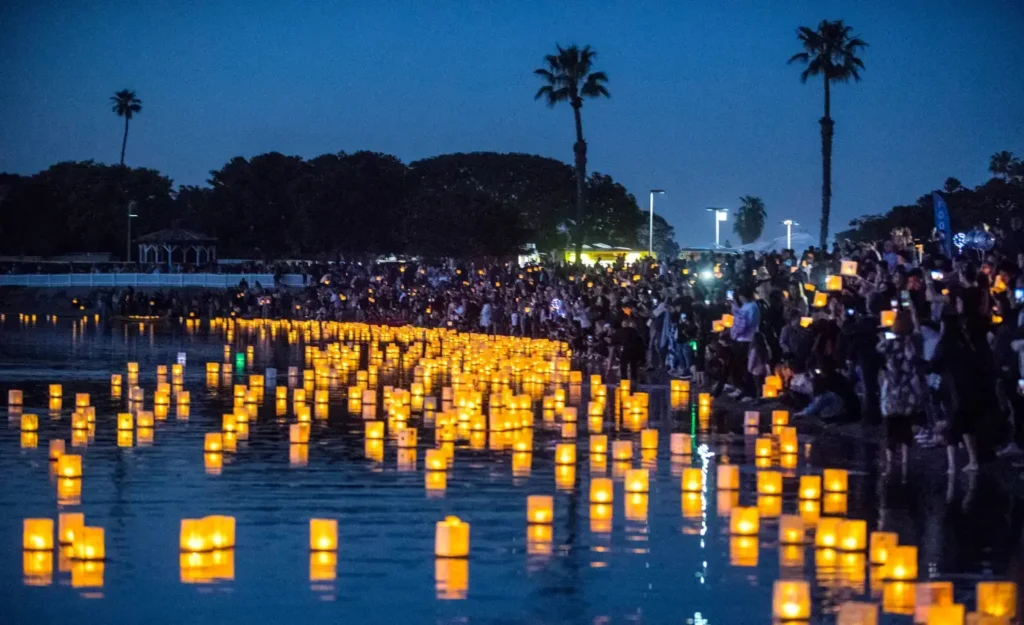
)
(903, 390)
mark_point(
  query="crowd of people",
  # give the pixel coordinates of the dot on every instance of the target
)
(895, 333)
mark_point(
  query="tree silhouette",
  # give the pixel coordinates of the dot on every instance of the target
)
(125, 104)
(750, 218)
(568, 79)
(1001, 163)
(829, 52)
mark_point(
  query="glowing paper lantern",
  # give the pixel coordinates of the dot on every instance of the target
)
(68, 523)
(89, 544)
(791, 529)
(374, 430)
(888, 318)
(835, 480)
(769, 483)
(648, 439)
(743, 551)
(565, 453)
(56, 391)
(540, 509)
(29, 423)
(805, 322)
(728, 477)
(637, 481)
(997, 599)
(763, 447)
(15, 397)
(407, 438)
(451, 538)
(834, 283)
(852, 535)
(601, 490)
(56, 448)
(598, 444)
(810, 487)
(69, 466)
(213, 442)
(693, 480)
(435, 460)
(744, 521)
(37, 534)
(946, 614)
(680, 444)
(791, 600)
(780, 417)
(880, 546)
(323, 534)
(901, 563)
(827, 532)
(857, 613)
(820, 299)
(298, 433)
(622, 450)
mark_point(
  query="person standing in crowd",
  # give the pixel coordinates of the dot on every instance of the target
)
(746, 320)
(902, 395)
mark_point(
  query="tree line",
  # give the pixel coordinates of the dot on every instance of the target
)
(361, 203)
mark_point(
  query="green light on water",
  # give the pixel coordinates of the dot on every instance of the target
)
(240, 361)
(693, 420)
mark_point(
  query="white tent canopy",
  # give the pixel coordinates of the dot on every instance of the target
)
(801, 241)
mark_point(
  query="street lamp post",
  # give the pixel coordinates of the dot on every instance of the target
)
(650, 227)
(721, 215)
(131, 215)
(789, 223)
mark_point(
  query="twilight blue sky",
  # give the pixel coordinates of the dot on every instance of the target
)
(703, 103)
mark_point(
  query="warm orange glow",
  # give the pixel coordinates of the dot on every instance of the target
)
(857, 613)
(743, 551)
(827, 532)
(565, 453)
(89, 544)
(881, 544)
(540, 509)
(68, 523)
(744, 521)
(69, 466)
(598, 444)
(888, 318)
(769, 483)
(763, 447)
(298, 433)
(637, 481)
(680, 444)
(835, 480)
(997, 599)
(451, 578)
(451, 538)
(323, 534)
(692, 480)
(810, 487)
(728, 477)
(791, 600)
(29, 423)
(601, 490)
(407, 438)
(15, 397)
(852, 535)
(648, 439)
(791, 529)
(622, 450)
(435, 460)
(901, 563)
(37, 534)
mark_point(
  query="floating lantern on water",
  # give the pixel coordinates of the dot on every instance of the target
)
(704, 399)
(678, 387)
(743, 551)
(901, 563)
(323, 534)
(56, 391)
(598, 444)
(540, 509)
(791, 529)
(145, 420)
(881, 544)
(827, 532)
(763, 447)
(68, 523)
(14, 397)
(680, 444)
(852, 535)
(835, 480)
(374, 430)
(29, 423)
(648, 439)
(69, 466)
(56, 448)
(791, 600)
(89, 544)
(637, 481)
(435, 460)
(622, 450)
(451, 538)
(780, 417)
(213, 442)
(601, 490)
(810, 487)
(997, 599)
(728, 477)
(751, 420)
(769, 483)
(565, 453)
(81, 400)
(692, 480)
(37, 534)
(407, 438)
(788, 443)
(744, 521)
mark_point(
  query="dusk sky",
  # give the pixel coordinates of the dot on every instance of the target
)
(703, 103)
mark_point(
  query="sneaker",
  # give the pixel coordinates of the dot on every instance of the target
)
(729, 389)
(1011, 450)
(734, 393)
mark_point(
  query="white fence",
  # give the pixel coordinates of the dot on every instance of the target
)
(162, 280)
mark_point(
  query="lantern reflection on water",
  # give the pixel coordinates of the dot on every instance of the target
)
(997, 599)
(791, 529)
(881, 544)
(743, 551)
(857, 613)
(451, 578)
(636, 506)
(323, 566)
(680, 444)
(37, 568)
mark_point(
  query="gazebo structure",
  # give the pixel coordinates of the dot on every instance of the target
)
(173, 245)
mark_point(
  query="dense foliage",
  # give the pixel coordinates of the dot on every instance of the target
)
(364, 203)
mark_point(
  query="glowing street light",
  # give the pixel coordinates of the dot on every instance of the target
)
(789, 223)
(650, 228)
(721, 215)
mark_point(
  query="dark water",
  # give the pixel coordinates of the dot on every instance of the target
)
(668, 562)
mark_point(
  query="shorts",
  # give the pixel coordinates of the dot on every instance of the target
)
(899, 430)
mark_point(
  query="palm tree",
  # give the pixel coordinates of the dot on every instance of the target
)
(568, 79)
(750, 218)
(830, 52)
(125, 104)
(1000, 163)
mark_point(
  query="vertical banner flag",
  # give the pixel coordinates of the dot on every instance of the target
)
(942, 224)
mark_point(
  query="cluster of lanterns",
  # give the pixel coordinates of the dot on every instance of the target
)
(495, 385)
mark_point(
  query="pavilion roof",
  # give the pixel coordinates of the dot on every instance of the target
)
(176, 235)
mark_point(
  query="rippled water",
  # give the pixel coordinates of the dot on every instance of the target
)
(663, 561)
